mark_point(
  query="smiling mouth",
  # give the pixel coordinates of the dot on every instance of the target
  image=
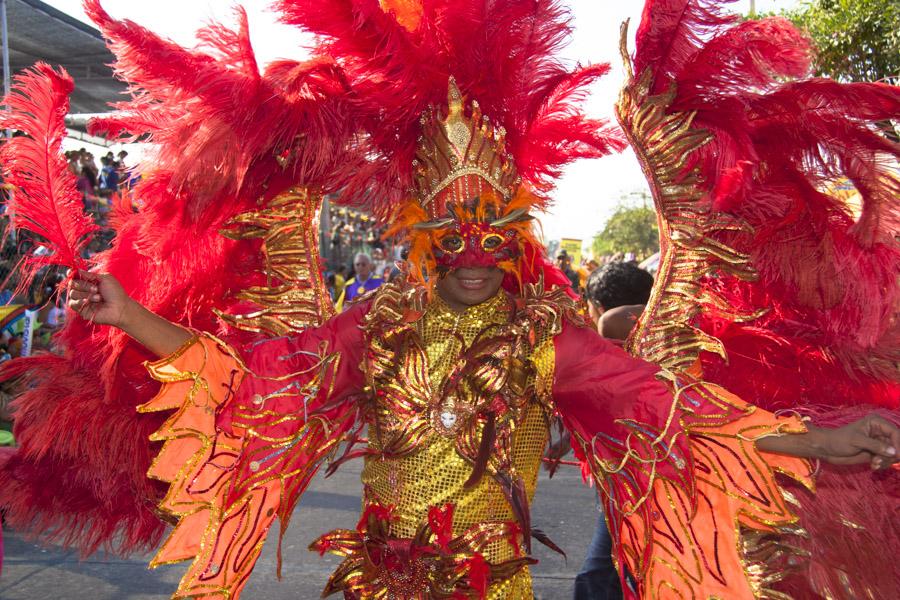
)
(471, 283)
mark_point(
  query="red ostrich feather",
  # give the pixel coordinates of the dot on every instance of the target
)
(44, 198)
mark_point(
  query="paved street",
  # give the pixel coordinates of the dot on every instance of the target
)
(564, 509)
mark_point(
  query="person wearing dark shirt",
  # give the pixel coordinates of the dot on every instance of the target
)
(564, 262)
(616, 295)
(109, 176)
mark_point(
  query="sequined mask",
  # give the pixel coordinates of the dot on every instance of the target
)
(474, 243)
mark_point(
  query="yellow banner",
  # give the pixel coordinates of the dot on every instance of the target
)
(573, 249)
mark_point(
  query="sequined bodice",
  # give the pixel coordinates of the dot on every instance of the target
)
(431, 471)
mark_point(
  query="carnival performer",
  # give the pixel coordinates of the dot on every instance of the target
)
(449, 121)
(459, 384)
(459, 381)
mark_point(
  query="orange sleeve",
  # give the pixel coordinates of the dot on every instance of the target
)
(677, 463)
(196, 458)
(244, 440)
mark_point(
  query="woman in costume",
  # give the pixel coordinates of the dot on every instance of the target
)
(458, 370)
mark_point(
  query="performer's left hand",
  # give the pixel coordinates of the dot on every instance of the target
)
(872, 440)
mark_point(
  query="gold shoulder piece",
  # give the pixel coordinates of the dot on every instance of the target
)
(296, 298)
(663, 141)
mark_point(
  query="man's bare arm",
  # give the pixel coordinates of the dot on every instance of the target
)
(872, 440)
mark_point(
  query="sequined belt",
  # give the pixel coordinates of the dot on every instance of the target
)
(432, 565)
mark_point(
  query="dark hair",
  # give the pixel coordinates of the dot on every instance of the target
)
(619, 284)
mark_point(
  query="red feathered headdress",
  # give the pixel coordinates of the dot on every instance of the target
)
(492, 150)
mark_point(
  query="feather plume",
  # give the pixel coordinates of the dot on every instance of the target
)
(219, 125)
(672, 32)
(816, 329)
(780, 142)
(559, 131)
(45, 200)
(502, 55)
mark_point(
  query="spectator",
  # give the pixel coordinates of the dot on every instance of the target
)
(620, 286)
(330, 280)
(361, 283)
(14, 346)
(6, 279)
(56, 317)
(88, 170)
(109, 176)
(8, 392)
(616, 294)
(379, 261)
(584, 271)
(564, 262)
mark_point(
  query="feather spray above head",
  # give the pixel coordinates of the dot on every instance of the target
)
(399, 55)
(44, 198)
(779, 142)
(221, 127)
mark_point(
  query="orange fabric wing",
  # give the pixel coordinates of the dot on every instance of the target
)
(244, 441)
(676, 462)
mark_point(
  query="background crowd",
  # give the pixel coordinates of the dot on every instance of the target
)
(99, 183)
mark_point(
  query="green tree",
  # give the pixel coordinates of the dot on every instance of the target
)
(856, 40)
(631, 228)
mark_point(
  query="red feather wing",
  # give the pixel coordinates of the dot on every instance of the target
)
(746, 154)
(225, 139)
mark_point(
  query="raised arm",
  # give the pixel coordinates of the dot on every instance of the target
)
(248, 429)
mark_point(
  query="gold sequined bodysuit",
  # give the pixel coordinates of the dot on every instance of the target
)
(435, 474)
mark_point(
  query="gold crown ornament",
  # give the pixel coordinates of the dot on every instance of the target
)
(461, 156)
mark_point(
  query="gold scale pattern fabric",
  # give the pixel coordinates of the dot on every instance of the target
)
(436, 474)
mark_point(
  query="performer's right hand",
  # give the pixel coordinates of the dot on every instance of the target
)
(98, 298)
